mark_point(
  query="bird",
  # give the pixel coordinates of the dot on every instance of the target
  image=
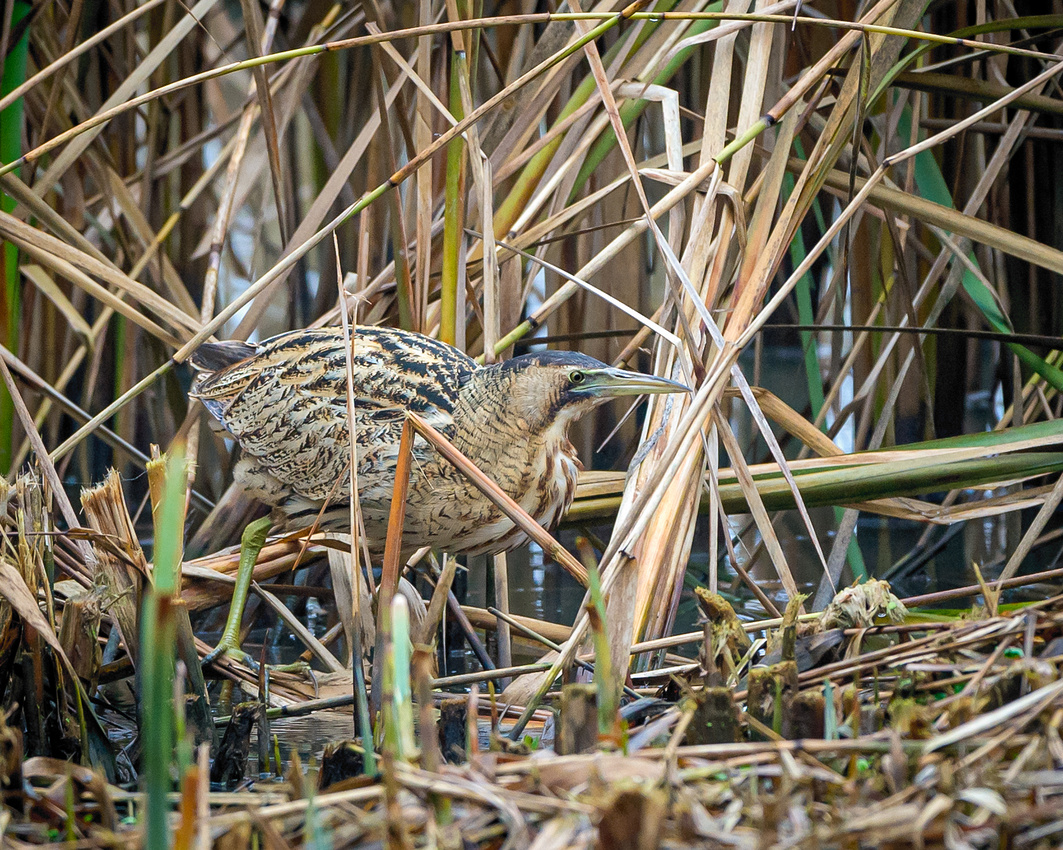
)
(284, 402)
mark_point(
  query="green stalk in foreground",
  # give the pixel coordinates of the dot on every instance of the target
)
(158, 637)
(402, 733)
(608, 690)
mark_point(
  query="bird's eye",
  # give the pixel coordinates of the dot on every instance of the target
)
(577, 377)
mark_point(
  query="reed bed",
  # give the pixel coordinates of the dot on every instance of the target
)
(676, 186)
(867, 724)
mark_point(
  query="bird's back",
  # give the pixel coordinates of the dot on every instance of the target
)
(285, 402)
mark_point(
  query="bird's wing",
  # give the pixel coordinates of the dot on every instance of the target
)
(287, 404)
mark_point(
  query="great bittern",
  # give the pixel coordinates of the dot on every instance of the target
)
(285, 402)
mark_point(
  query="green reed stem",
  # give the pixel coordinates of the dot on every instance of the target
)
(453, 212)
(158, 630)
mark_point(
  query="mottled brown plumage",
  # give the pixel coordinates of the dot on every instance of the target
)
(285, 403)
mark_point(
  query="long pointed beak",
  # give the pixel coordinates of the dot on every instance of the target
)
(610, 383)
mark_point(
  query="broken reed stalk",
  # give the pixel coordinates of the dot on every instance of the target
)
(47, 464)
(121, 570)
(191, 776)
(158, 636)
(430, 731)
(439, 598)
(580, 723)
(714, 719)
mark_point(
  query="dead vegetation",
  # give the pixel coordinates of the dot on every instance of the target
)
(673, 185)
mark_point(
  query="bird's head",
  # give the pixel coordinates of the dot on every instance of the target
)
(557, 387)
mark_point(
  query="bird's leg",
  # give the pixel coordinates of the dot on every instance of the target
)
(251, 543)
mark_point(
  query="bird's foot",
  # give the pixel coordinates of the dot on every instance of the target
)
(231, 650)
(298, 668)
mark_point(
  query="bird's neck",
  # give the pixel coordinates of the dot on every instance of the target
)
(498, 411)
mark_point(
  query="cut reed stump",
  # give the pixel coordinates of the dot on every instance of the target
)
(715, 718)
(453, 722)
(772, 690)
(79, 635)
(579, 720)
(230, 764)
(341, 761)
(122, 568)
(632, 819)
